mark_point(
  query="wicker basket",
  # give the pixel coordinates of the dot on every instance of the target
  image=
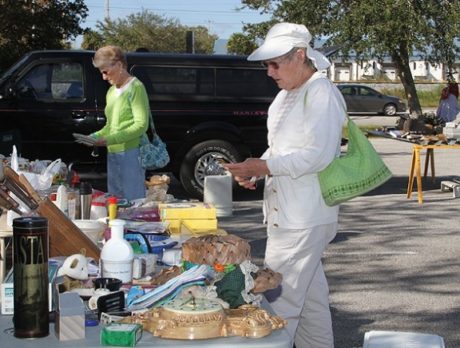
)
(212, 249)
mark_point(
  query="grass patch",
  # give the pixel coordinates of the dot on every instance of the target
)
(428, 98)
(364, 129)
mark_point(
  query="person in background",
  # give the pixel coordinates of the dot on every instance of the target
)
(304, 134)
(448, 108)
(127, 112)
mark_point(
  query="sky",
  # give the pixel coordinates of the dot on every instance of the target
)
(221, 17)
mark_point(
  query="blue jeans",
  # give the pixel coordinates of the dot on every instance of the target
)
(125, 175)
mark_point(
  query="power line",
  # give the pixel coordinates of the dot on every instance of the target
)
(232, 12)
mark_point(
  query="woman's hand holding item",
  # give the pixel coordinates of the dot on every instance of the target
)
(247, 172)
(101, 142)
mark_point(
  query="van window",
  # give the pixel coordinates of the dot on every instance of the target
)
(176, 80)
(52, 82)
(244, 83)
(199, 81)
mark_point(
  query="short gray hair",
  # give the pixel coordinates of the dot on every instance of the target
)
(108, 56)
(307, 60)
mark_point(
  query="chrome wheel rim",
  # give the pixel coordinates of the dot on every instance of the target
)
(209, 164)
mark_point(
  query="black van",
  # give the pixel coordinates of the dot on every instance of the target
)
(207, 108)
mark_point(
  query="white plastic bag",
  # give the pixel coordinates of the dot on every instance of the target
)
(45, 179)
(14, 159)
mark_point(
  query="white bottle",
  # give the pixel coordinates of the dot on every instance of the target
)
(117, 254)
(61, 199)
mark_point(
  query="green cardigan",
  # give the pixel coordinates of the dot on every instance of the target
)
(127, 117)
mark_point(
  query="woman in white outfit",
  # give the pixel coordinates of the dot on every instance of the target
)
(448, 108)
(304, 134)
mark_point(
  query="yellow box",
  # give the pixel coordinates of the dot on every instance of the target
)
(200, 226)
(174, 225)
(195, 210)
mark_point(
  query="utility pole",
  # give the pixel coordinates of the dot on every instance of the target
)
(190, 42)
(107, 10)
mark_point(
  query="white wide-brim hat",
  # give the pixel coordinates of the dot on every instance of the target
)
(282, 38)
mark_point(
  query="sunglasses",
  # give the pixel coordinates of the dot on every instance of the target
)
(106, 71)
(106, 68)
(275, 64)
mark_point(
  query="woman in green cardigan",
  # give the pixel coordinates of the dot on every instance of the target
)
(127, 112)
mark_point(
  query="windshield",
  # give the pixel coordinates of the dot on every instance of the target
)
(12, 69)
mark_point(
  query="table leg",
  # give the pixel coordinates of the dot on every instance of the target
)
(418, 174)
(433, 175)
(427, 161)
(410, 184)
(2, 259)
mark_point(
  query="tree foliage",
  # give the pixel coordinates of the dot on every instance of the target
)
(397, 29)
(241, 44)
(27, 25)
(148, 30)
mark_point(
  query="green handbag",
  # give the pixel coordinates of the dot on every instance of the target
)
(359, 171)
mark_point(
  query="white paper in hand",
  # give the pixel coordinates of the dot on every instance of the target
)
(84, 139)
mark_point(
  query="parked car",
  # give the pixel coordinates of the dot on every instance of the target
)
(365, 100)
(206, 108)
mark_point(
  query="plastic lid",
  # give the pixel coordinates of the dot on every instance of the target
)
(97, 204)
(112, 200)
(86, 188)
(91, 322)
(30, 222)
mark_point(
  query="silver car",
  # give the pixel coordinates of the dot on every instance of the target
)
(365, 100)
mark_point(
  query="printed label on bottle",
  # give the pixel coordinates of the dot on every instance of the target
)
(31, 285)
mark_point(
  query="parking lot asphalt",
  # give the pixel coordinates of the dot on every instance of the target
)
(394, 264)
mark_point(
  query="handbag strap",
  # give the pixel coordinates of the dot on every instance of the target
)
(151, 125)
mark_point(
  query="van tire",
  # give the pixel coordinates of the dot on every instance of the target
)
(203, 159)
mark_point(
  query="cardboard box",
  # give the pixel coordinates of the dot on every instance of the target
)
(195, 210)
(198, 216)
(70, 317)
(451, 132)
(174, 225)
(119, 334)
(200, 226)
(7, 289)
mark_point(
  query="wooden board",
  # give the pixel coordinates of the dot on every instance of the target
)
(65, 238)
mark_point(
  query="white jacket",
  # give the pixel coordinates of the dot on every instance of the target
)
(302, 142)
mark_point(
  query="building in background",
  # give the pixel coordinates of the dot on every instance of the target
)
(352, 70)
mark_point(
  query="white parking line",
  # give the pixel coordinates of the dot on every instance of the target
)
(357, 253)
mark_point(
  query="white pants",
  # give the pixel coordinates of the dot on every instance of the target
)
(303, 298)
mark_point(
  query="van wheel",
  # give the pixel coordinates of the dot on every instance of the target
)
(204, 159)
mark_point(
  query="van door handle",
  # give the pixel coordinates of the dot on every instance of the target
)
(79, 114)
